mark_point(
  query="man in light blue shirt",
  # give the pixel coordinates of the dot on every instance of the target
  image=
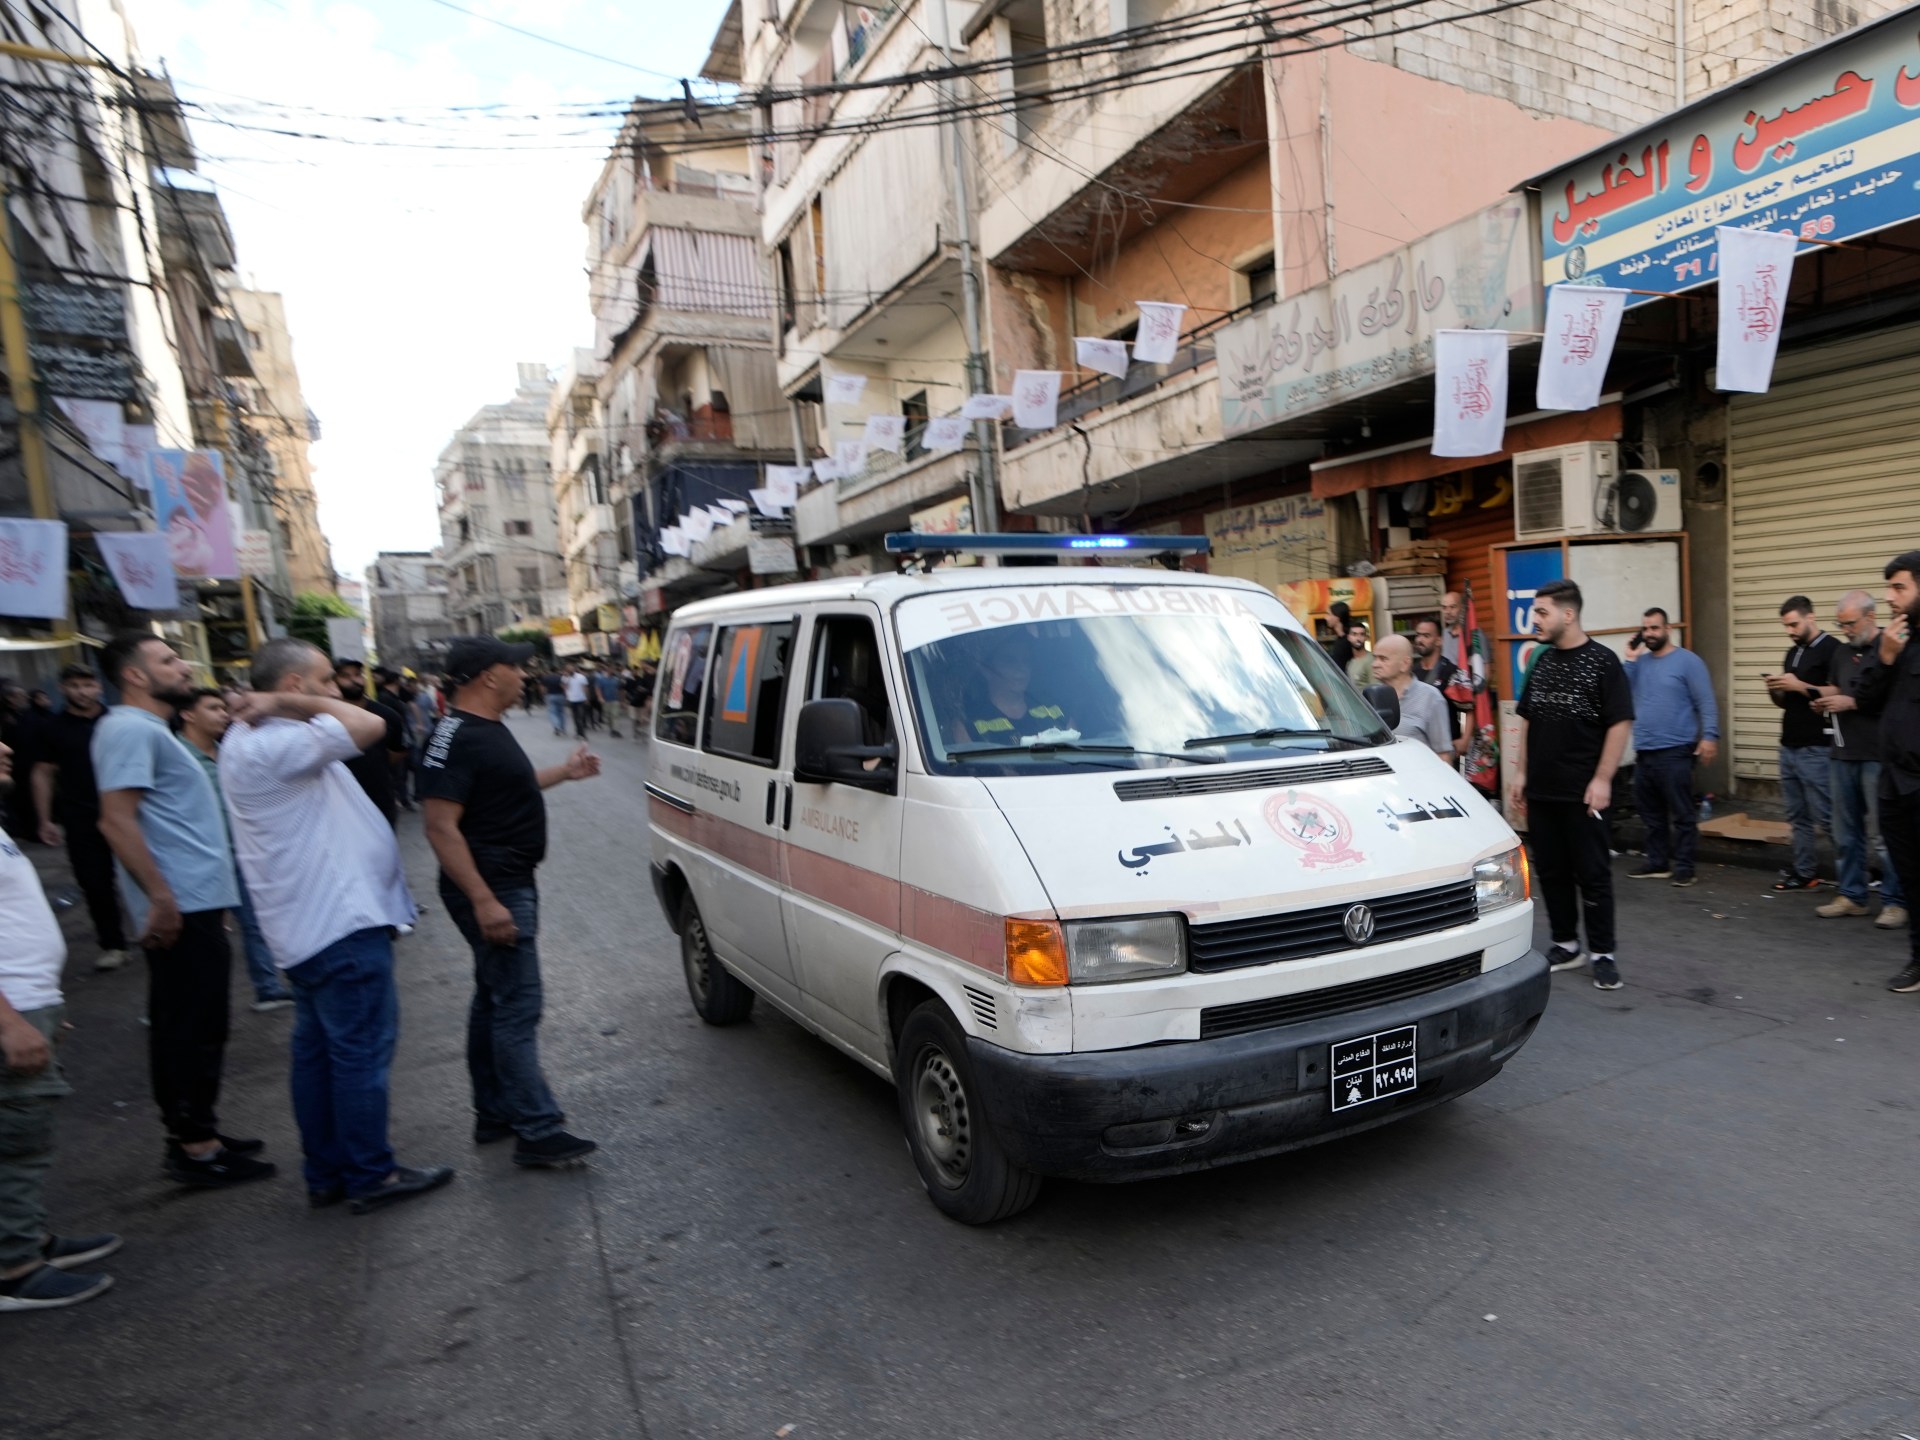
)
(1675, 722)
(159, 814)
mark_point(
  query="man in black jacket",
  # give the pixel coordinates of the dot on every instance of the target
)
(1891, 681)
(1804, 742)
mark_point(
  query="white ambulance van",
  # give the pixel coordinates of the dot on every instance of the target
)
(1110, 871)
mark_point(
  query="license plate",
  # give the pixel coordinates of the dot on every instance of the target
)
(1373, 1067)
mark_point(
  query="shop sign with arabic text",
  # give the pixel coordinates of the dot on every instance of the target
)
(1373, 326)
(1824, 148)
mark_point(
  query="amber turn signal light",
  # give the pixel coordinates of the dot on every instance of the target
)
(1036, 953)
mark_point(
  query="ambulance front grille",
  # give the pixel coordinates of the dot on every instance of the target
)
(1321, 930)
(1219, 1020)
(984, 1009)
(1162, 787)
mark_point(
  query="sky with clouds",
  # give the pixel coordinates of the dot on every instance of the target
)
(415, 278)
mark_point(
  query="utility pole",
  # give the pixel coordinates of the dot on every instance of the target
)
(986, 497)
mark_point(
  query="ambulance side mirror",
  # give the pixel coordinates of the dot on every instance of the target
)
(1385, 701)
(830, 748)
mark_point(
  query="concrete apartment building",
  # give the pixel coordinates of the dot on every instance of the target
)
(688, 411)
(596, 548)
(277, 412)
(407, 604)
(498, 531)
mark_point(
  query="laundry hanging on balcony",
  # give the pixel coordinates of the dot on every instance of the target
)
(1109, 357)
(1159, 333)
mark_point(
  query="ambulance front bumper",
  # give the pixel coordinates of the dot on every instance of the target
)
(1165, 1109)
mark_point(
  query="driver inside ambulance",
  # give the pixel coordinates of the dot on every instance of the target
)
(999, 707)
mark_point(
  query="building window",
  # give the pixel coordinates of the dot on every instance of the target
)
(817, 219)
(1020, 35)
(519, 527)
(789, 303)
(476, 477)
(530, 578)
(1258, 281)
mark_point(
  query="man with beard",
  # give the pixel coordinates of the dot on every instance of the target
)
(69, 805)
(1805, 749)
(1854, 772)
(1675, 722)
(159, 813)
(1891, 680)
(1431, 667)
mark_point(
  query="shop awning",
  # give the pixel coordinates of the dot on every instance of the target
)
(1380, 470)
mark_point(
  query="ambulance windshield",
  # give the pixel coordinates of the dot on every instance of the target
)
(1051, 679)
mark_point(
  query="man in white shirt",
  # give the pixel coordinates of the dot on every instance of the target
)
(34, 1265)
(576, 688)
(1423, 710)
(324, 873)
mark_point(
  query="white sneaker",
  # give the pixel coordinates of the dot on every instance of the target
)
(267, 1007)
(1891, 917)
(110, 960)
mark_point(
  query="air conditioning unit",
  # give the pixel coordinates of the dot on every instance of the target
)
(1554, 490)
(1641, 501)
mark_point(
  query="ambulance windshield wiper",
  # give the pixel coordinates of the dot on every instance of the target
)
(1275, 733)
(1071, 747)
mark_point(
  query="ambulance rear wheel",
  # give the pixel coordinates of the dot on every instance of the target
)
(949, 1134)
(718, 997)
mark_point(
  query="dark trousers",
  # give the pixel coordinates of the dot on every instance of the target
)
(1900, 828)
(26, 1145)
(346, 1021)
(579, 709)
(503, 1023)
(187, 1011)
(92, 861)
(1663, 791)
(1575, 873)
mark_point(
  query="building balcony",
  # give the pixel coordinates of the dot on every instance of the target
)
(594, 522)
(867, 505)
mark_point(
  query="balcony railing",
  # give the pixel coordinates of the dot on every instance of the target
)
(1104, 390)
(667, 428)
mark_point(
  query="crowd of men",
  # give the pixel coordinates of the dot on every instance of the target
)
(592, 697)
(190, 814)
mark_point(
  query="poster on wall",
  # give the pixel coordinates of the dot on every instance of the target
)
(1528, 568)
(1271, 543)
(190, 509)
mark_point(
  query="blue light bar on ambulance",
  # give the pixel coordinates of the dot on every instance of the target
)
(913, 542)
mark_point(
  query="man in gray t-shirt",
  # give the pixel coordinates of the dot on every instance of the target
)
(1423, 710)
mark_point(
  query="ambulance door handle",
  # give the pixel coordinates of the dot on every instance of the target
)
(773, 792)
(786, 821)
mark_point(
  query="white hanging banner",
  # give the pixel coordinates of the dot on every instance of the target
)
(987, 407)
(784, 482)
(1036, 399)
(765, 502)
(142, 567)
(1159, 333)
(825, 470)
(102, 422)
(734, 507)
(33, 569)
(845, 389)
(945, 432)
(1469, 392)
(850, 458)
(720, 516)
(1109, 357)
(1756, 266)
(886, 432)
(136, 443)
(696, 525)
(673, 541)
(1583, 321)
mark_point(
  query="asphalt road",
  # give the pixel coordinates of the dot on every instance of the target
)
(1686, 1209)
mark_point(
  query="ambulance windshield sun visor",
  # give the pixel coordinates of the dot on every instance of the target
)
(1050, 679)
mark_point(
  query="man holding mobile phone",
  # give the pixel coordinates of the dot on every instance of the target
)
(1576, 714)
(1891, 682)
(1804, 744)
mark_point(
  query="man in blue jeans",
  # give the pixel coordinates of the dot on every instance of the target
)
(324, 872)
(1855, 769)
(1804, 745)
(487, 822)
(1675, 722)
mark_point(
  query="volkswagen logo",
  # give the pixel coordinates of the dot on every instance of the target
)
(1359, 924)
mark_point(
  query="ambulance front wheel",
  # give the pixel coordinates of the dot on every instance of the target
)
(960, 1161)
(719, 998)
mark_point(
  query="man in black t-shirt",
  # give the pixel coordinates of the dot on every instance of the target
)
(487, 822)
(1576, 716)
(374, 767)
(1804, 740)
(61, 764)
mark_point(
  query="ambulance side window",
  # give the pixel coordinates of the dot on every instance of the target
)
(748, 691)
(847, 666)
(683, 671)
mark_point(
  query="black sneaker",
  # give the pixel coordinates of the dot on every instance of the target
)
(553, 1150)
(322, 1199)
(46, 1288)
(489, 1132)
(69, 1252)
(219, 1171)
(1650, 872)
(1606, 974)
(403, 1184)
(1907, 981)
(241, 1147)
(1565, 957)
(1682, 882)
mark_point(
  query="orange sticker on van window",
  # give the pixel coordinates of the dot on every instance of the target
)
(741, 667)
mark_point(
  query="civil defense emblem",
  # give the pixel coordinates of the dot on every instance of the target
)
(1317, 828)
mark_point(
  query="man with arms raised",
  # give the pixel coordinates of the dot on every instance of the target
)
(324, 871)
(160, 815)
(487, 822)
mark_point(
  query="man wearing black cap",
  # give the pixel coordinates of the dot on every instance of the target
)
(487, 822)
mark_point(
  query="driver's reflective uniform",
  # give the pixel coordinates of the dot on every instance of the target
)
(988, 725)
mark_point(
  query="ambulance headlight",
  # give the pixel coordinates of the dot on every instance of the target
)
(1100, 952)
(1502, 880)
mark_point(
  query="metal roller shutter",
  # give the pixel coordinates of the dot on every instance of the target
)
(1822, 495)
